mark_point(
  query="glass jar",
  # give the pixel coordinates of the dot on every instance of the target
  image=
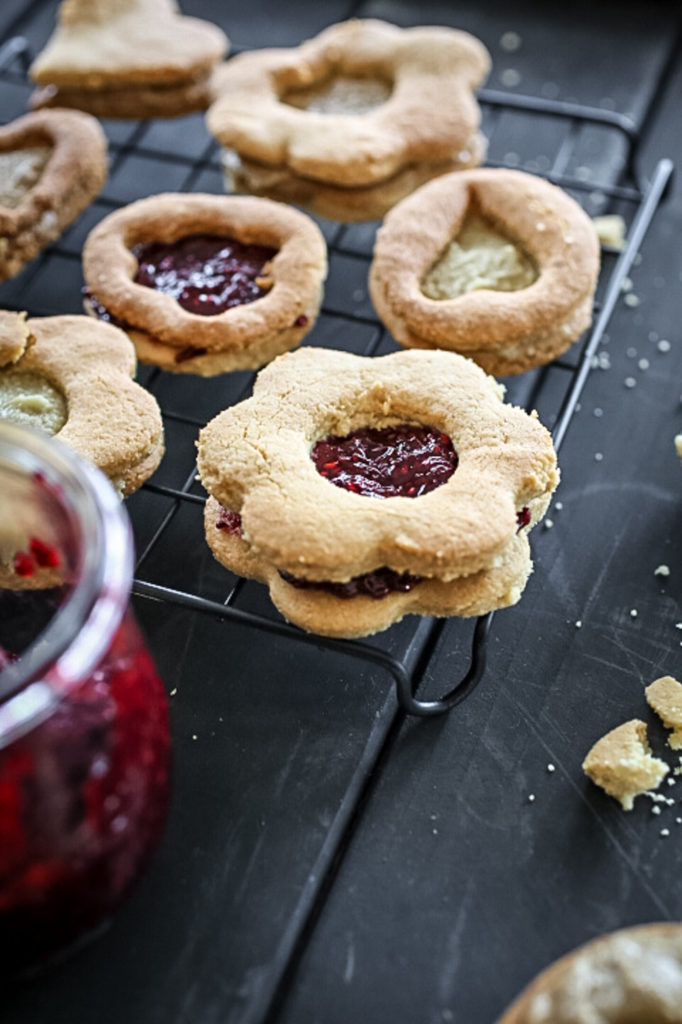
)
(84, 736)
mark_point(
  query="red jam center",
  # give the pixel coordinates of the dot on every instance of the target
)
(387, 462)
(205, 274)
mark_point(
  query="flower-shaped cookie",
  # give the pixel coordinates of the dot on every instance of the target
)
(633, 974)
(72, 377)
(352, 120)
(496, 264)
(132, 58)
(204, 283)
(52, 164)
(362, 489)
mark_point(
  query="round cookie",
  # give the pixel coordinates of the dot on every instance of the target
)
(284, 513)
(633, 975)
(496, 264)
(284, 290)
(352, 119)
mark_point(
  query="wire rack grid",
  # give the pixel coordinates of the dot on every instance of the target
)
(145, 158)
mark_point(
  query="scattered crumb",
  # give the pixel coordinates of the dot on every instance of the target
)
(621, 763)
(664, 696)
(610, 230)
(663, 345)
(665, 831)
(678, 445)
(558, 506)
(598, 412)
(510, 41)
(633, 613)
(678, 821)
(531, 797)
(194, 736)
(671, 782)
(548, 524)
(626, 285)
(662, 570)
(578, 623)
(510, 77)
(655, 809)
(631, 352)
(643, 364)
(678, 625)
(630, 382)
(631, 299)
(173, 691)
(551, 768)
(598, 456)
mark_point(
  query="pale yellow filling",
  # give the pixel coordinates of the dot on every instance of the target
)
(29, 400)
(340, 96)
(480, 257)
(19, 171)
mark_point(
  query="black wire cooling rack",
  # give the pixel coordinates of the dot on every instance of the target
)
(145, 157)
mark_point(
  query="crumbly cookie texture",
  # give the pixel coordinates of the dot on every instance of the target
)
(621, 763)
(255, 461)
(634, 974)
(74, 380)
(242, 337)
(506, 322)
(357, 106)
(128, 58)
(664, 695)
(53, 164)
(13, 336)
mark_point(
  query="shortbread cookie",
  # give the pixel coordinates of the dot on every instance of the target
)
(353, 119)
(664, 695)
(204, 283)
(633, 975)
(52, 165)
(496, 264)
(363, 489)
(621, 763)
(128, 58)
(74, 382)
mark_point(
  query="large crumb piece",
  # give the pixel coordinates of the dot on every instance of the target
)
(14, 335)
(664, 695)
(621, 763)
(678, 444)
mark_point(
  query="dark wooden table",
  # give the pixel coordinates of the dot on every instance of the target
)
(328, 858)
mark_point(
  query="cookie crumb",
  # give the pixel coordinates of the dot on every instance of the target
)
(548, 524)
(558, 506)
(631, 299)
(578, 623)
(662, 570)
(610, 230)
(665, 831)
(633, 613)
(598, 456)
(630, 382)
(663, 345)
(655, 809)
(551, 768)
(598, 412)
(531, 798)
(664, 696)
(173, 691)
(678, 444)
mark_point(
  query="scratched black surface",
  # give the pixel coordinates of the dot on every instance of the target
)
(327, 860)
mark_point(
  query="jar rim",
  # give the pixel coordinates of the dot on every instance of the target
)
(79, 633)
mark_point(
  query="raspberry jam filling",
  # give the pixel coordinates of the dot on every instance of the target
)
(405, 461)
(205, 274)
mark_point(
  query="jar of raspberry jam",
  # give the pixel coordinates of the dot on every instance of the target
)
(84, 737)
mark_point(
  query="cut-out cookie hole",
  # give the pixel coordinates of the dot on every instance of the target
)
(29, 399)
(481, 256)
(340, 94)
(205, 274)
(404, 461)
(20, 169)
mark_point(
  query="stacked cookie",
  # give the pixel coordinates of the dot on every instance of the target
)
(128, 58)
(360, 489)
(352, 120)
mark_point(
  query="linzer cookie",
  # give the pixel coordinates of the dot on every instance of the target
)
(634, 974)
(360, 490)
(72, 378)
(128, 59)
(204, 283)
(352, 120)
(498, 265)
(52, 165)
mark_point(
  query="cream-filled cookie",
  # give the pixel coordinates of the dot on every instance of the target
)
(52, 165)
(352, 120)
(498, 265)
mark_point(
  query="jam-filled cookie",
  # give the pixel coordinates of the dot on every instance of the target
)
(129, 59)
(352, 120)
(73, 380)
(202, 283)
(363, 489)
(633, 975)
(496, 264)
(52, 165)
